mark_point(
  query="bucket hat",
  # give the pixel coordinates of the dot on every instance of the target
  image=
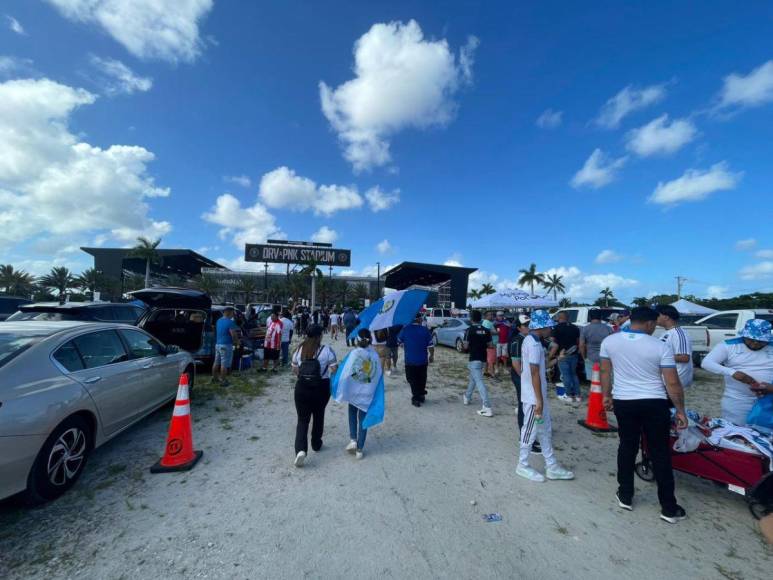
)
(541, 319)
(757, 329)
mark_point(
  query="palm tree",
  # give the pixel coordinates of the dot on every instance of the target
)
(487, 289)
(311, 269)
(247, 285)
(607, 295)
(16, 282)
(530, 277)
(474, 294)
(565, 302)
(554, 283)
(208, 284)
(88, 280)
(146, 249)
(59, 279)
(640, 301)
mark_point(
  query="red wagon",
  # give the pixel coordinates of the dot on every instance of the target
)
(738, 470)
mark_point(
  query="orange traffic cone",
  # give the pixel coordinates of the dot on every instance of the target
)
(597, 416)
(179, 454)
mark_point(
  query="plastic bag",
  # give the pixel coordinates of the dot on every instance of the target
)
(761, 414)
(689, 440)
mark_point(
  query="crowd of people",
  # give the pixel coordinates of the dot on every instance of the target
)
(643, 378)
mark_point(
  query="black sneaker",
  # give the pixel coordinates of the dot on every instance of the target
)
(673, 516)
(624, 502)
(536, 447)
(416, 403)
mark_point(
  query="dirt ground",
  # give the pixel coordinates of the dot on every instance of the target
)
(411, 509)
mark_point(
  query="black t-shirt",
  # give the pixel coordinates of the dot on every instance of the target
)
(566, 335)
(514, 350)
(477, 338)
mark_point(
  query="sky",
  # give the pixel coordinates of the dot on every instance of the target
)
(615, 145)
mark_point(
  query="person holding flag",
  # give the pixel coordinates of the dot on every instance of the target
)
(359, 381)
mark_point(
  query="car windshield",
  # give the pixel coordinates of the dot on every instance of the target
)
(46, 316)
(768, 317)
(13, 344)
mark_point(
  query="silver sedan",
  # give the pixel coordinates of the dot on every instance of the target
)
(68, 387)
(451, 333)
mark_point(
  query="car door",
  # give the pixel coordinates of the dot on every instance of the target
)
(160, 372)
(114, 381)
(449, 331)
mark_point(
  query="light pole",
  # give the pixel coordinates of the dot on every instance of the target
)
(265, 279)
(378, 280)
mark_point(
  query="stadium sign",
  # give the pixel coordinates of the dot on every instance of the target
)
(297, 254)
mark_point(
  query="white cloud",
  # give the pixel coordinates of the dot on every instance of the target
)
(15, 25)
(149, 29)
(245, 225)
(15, 65)
(658, 137)
(599, 170)
(764, 254)
(608, 257)
(696, 185)
(627, 101)
(240, 180)
(282, 188)
(51, 183)
(116, 78)
(384, 247)
(758, 271)
(324, 235)
(752, 90)
(380, 200)
(549, 119)
(717, 291)
(746, 244)
(151, 231)
(401, 81)
(586, 287)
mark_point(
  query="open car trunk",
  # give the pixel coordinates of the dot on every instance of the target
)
(181, 327)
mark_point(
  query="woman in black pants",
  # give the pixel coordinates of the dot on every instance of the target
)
(312, 364)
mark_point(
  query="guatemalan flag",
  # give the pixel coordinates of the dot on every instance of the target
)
(393, 309)
(359, 381)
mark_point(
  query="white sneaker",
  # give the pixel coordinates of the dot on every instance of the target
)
(578, 399)
(389, 373)
(300, 459)
(564, 398)
(359, 454)
(558, 472)
(352, 447)
(486, 412)
(528, 472)
(465, 399)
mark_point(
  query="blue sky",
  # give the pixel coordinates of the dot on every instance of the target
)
(616, 145)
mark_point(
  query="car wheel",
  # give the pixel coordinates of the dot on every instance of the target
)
(459, 345)
(644, 470)
(61, 460)
(191, 376)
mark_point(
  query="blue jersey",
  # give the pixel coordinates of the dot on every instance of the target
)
(416, 339)
(223, 328)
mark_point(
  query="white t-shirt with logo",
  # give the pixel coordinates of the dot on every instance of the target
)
(681, 344)
(532, 353)
(326, 357)
(637, 362)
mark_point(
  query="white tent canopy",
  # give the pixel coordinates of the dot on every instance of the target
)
(513, 299)
(687, 307)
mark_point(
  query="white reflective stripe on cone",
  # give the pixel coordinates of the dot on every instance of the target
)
(182, 393)
(181, 410)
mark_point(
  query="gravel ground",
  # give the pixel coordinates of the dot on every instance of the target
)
(411, 509)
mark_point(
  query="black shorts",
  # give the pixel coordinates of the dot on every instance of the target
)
(270, 354)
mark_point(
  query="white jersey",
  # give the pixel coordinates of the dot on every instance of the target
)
(532, 353)
(733, 355)
(287, 328)
(637, 362)
(326, 357)
(335, 319)
(681, 344)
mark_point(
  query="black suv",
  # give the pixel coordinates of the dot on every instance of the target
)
(85, 311)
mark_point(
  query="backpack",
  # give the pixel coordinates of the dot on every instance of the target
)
(310, 371)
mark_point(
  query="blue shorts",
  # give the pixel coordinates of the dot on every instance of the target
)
(224, 355)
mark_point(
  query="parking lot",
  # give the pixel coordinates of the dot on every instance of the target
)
(411, 508)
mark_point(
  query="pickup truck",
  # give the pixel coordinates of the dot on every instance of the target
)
(699, 335)
(436, 317)
(727, 324)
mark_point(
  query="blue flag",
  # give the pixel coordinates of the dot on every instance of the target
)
(359, 381)
(396, 308)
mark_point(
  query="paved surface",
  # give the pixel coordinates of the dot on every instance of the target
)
(411, 509)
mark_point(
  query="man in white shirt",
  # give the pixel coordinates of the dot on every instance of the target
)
(287, 334)
(534, 398)
(640, 365)
(668, 318)
(747, 364)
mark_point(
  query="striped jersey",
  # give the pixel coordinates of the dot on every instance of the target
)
(681, 344)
